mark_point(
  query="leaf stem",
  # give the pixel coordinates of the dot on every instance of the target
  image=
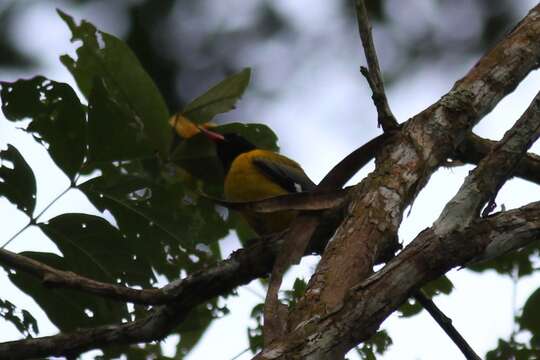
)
(17, 234)
(35, 218)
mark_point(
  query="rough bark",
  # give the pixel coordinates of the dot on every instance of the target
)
(405, 165)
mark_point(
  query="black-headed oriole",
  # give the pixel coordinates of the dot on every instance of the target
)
(256, 174)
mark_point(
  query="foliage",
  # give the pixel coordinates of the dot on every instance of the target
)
(442, 285)
(377, 344)
(155, 222)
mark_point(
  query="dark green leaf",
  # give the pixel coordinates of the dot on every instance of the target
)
(170, 228)
(219, 99)
(507, 264)
(58, 118)
(377, 344)
(21, 319)
(94, 248)
(299, 288)
(530, 317)
(255, 334)
(67, 309)
(113, 132)
(17, 184)
(104, 56)
(512, 350)
(197, 156)
(260, 135)
(441, 285)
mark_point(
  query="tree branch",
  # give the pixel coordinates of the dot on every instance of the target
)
(371, 301)
(374, 78)
(335, 179)
(66, 279)
(483, 184)
(404, 166)
(520, 227)
(446, 324)
(474, 148)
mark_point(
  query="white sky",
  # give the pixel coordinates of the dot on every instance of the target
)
(324, 101)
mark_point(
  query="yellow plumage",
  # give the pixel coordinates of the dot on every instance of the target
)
(245, 181)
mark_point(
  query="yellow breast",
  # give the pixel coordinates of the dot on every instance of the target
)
(246, 182)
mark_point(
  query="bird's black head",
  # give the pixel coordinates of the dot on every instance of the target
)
(229, 146)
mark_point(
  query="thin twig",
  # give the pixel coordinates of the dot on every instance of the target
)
(385, 117)
(35, 218)
(240, 354)
(19, 232)
(446, 324)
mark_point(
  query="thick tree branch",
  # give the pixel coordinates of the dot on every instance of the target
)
(385, 117)
(474, 148)
(405, 165)
(371, 301)
(512, 228)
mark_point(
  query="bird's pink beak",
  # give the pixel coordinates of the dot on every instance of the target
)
(212, 135)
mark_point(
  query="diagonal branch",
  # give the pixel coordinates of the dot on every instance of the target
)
(446, 324)
(428, 257)
(474, 148)
(385, 117)
(520, 227)
(403, 168)
(484, 182)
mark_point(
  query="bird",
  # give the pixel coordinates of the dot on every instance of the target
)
(254, 174)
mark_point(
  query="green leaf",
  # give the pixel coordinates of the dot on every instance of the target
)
(107, 119)
(197, 155)
(21, 319)
(219, 99)
(104, 56)
(441, 285)
(512, 350)
(299, 288)
(17, 184)
(260, 135)
(170, 228)
(530, 317)
(507, 264)
(94, 248)
(377, 344)
(58, 118)
(255, 334)
(67, 309)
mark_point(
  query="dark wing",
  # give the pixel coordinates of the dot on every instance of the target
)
(291, 178)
